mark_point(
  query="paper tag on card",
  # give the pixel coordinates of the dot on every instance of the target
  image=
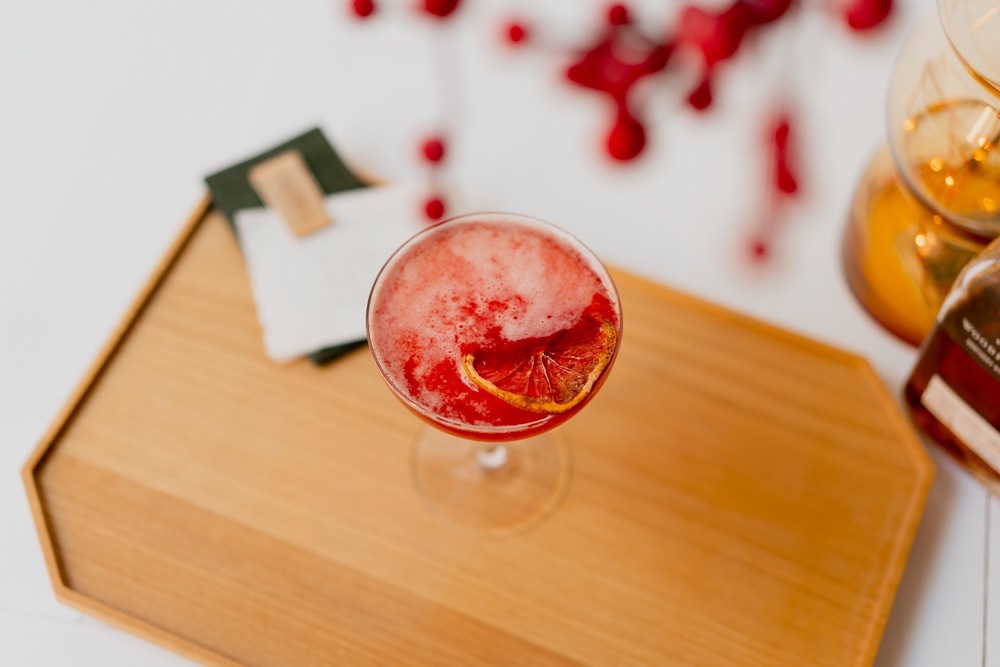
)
(286, 185)
(961, 419)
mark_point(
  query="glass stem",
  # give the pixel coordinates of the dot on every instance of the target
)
(492, 457)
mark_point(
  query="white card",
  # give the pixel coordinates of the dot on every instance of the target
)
(312, 291)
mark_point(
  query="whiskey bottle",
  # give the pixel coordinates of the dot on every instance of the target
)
(954, 391)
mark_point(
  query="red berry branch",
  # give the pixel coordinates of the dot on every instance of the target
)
(433, 153)
(717, 35)
(622, 55)
(432, 149)
(782, 184)
(603, 68)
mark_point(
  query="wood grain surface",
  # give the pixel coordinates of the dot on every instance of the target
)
(740, 496)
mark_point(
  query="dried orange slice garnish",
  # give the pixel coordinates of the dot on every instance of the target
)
(551, 376)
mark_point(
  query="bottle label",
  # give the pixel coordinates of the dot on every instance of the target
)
(959, 418)
(976, 332)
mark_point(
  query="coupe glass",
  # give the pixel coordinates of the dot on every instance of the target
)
(495, 477)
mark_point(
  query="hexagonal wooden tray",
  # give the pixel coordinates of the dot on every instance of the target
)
(740, 496)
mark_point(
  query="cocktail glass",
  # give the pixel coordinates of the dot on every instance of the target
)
(493, 329)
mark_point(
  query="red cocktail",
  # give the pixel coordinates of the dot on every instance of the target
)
(493, 327)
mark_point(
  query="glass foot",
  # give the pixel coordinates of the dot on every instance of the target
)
(491, 487)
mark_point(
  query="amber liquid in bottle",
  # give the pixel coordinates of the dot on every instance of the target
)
(954, 391)
(901, 256)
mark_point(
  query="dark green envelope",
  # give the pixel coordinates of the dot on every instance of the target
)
(231, 192)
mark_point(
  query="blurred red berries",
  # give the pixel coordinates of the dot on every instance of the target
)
(865, 14)
(434, 208)
(363, 8)
(440, 8)
(618, 15)
(433, 150)
(517, 33)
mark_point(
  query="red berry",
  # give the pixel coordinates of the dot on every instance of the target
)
(765, 11)
(784, 179)
(718, 36)
(434, 150)
(440, 8)
(627, 138)
(435, 209)
(618, 15)
(517, 33)
(363, 8)
(759, 250)
(701, 97)
(865, 14)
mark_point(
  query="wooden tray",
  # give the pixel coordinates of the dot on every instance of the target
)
(740, 496)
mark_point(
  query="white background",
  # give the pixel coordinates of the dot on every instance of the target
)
(112, 111)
